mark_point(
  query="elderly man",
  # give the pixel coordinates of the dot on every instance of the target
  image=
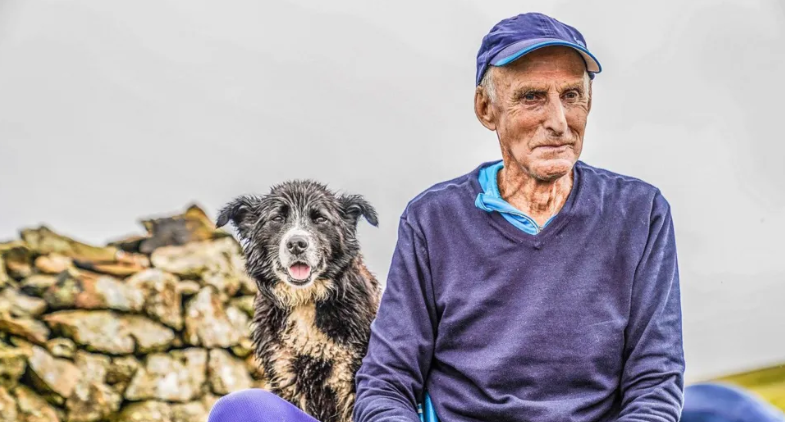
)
(537, 287)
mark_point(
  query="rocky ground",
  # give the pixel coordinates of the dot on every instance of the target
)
(149, 328)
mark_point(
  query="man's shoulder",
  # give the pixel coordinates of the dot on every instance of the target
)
(441, 196)
(613, 187)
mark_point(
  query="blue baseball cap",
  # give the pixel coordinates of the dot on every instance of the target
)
(513, 37)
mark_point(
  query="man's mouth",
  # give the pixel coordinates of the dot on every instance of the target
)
(552, 147)
(300, 271)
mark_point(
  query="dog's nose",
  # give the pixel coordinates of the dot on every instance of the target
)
(297, 244)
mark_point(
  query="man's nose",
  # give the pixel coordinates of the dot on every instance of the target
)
(297, 244)
(555, 119)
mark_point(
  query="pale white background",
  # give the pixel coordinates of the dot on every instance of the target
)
(111, 111)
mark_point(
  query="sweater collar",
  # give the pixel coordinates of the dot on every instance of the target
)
(490, 200)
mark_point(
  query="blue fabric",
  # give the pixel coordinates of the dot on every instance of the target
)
(256, 405)
(429, 414)
(724, 403)
(702, 403)
(491, 200)
(706, 402)
(579, 323)
(513, 37)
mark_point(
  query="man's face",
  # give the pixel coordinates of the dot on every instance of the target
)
(539, 111)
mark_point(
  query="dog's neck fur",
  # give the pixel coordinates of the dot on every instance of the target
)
(356, 292)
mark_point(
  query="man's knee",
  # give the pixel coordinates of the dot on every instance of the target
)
(253, 405)
(721, 403)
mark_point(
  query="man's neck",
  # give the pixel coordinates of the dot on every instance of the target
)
(538, 199)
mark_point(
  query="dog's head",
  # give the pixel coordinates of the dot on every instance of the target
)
(298, 234)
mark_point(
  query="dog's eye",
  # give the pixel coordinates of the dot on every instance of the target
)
(279, 219)
(319, 219)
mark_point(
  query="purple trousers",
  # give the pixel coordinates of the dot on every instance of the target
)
(702, 403)
(712, 402)
(256, 405)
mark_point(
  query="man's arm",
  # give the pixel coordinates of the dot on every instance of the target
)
(391, 378)
(653, 379)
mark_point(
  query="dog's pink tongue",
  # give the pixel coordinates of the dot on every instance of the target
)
(299, 271)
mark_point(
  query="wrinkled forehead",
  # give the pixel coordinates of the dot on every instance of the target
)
(550, 64)
(558, 57)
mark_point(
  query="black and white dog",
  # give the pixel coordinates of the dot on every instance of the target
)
(316, 298)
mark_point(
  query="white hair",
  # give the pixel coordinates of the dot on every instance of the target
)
(487, 84)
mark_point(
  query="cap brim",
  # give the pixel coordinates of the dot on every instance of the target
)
(516, 50)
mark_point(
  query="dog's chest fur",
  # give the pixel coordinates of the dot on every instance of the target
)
(318, 353)
(310, 368)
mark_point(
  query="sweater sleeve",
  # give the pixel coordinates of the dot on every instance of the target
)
(391, 378)
(652, 382)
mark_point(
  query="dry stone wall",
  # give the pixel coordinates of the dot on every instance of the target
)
(149, 328)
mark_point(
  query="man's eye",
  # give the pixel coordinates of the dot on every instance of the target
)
(572, 95)
(530, 96)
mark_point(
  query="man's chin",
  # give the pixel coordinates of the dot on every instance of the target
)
(551, 169)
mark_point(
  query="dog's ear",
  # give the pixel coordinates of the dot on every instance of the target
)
(243, 212)
(355, 206)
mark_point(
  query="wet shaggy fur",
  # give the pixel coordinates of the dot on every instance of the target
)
(312, 335)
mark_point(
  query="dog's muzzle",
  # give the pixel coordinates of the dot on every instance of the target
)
(298, 257)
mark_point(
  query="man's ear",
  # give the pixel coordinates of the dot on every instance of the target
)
(243, 212)
(355, 206)
(483, 108)
(590, 95)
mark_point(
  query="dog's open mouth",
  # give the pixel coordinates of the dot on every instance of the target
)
(300, 272)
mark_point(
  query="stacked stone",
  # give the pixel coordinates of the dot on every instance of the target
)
(150, 328)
